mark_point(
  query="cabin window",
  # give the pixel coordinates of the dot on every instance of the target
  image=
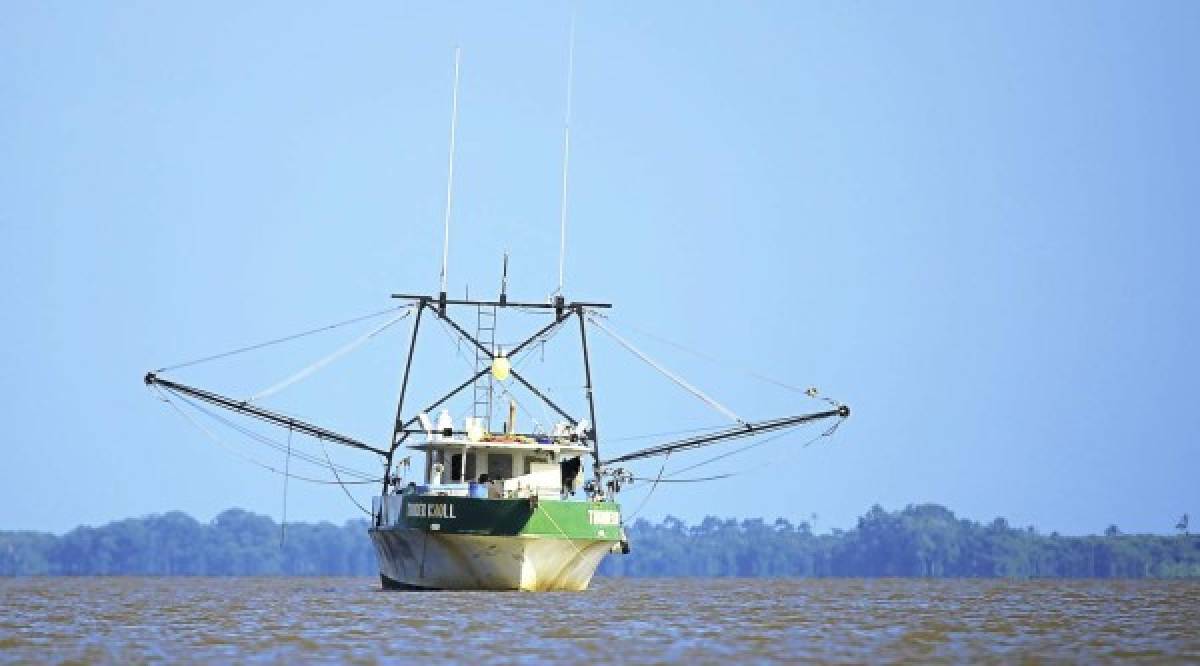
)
(530, 460)
(499, 466)
(456, 467)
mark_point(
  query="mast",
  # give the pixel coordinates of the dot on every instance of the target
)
(566, 167)
(450, 174)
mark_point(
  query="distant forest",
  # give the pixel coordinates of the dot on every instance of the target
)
(920, 540)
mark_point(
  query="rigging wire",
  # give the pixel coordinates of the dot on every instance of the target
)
(654, 487)
(713, 359)
(286, 338)
(726, 454)
(220, 442)
(308, 371)
(671, 433)
(263, 439)
(286, 470)
(701, 479)
(670, 375)
(670, 478)
(827, 433)
(339, 478)
(457, 338)
(525, 355)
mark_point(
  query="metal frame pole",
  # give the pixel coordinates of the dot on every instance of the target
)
(587, 376)
(549, 403)
(396, 427)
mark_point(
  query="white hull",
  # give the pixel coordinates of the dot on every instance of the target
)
(429, 560)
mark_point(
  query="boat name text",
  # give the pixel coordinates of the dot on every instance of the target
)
(604, 517)
(416, 510)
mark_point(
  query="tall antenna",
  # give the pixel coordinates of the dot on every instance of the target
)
(562, 242)
(450, 175)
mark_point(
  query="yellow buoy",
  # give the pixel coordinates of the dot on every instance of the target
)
(501, 367)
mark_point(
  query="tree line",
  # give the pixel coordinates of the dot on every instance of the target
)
(919, 540)
(924, 540)
(235, 543)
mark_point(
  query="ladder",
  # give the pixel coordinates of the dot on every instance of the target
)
(485, 333)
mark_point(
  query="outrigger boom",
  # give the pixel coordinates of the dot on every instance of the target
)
(245, 407)
(736, 432)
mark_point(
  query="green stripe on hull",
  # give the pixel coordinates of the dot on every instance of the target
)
(553, 519)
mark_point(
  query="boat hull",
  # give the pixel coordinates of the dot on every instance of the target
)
(418, 559)
(461, 543)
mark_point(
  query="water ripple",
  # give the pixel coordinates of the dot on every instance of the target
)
(110, 620)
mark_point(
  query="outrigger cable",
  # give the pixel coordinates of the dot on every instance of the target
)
(750, 430)
(242, 407)
(713, 359)
(237, 453)
(717, 477)
(652, 435)
(263, 439)
(827, 433)
(307, 371)
(276, 341)
(670, 375)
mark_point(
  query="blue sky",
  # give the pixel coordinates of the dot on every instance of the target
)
(972, 222)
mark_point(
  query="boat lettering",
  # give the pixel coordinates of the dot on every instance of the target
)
(604, 517)
(421, 510)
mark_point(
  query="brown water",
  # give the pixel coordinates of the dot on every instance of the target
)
(710, 620)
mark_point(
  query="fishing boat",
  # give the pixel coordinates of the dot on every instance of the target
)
(506, 510)
(495, 508)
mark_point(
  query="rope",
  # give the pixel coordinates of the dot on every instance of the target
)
(670, 375)
(304, 373)
(578, 552)
(654, 487)
(339, 479)
(286, 469)
(276, 341)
